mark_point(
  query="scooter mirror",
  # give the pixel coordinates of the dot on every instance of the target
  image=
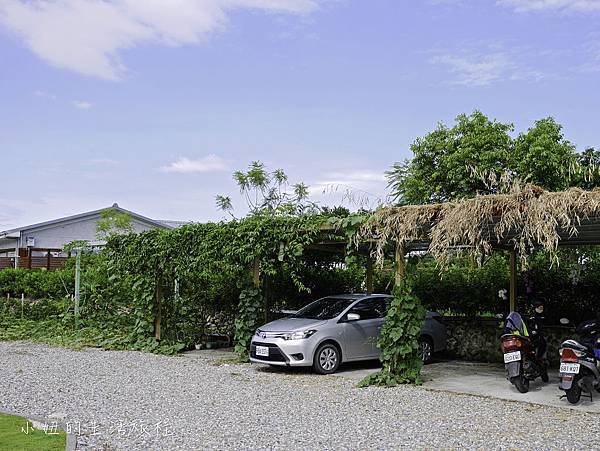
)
(564, 321)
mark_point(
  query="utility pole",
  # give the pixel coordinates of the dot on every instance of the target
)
(77, 283)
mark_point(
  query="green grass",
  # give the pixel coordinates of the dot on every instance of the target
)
(101, 334)
(55, 332)
(12, 437)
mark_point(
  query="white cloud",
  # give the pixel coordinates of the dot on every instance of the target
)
(82, 104)
(483, 67)
(446, 2)
(89, 36)
(360, 177)
(210, 163)
(592, 53)
(44, 94)
(473, 70)
(102, 162)
(552, 5)
(353, 188)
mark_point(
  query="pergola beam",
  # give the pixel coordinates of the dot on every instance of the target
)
(400, 264)
(513, 280)
(369, 281)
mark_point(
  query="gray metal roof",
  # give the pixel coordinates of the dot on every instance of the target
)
(173, 224)
(159, 224)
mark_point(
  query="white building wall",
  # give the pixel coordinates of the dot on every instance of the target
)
(57, 235)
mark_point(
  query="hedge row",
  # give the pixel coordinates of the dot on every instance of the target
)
(36, 284)
(571, 288)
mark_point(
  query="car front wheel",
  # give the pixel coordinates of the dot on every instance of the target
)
(327, 359)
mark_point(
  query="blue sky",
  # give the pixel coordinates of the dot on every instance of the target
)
(153, 104)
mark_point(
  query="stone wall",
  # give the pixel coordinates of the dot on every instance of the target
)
(478, 340)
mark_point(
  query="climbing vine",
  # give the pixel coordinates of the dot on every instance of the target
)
(169, 269)
(248, 319)
(398, 341)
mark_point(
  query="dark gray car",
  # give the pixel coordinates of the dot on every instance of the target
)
(333, 330)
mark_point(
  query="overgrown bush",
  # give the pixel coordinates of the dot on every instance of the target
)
(570, 289)
(36, 283)
(569, 286)
(463, 288)
(33, 309)
(323, 275)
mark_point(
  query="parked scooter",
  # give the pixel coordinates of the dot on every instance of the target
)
(580, 360)
(520, 355)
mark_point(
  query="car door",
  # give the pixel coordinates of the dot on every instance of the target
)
(435, 328)
(360, 337)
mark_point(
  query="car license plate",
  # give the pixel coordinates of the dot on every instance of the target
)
(512, 357)
(570, 368)
(262, 351)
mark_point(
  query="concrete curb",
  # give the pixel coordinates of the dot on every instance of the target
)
(519, 401)
(71, 442)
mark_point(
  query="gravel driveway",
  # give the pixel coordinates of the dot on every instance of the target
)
(132, 400)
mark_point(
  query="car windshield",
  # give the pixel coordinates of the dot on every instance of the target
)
(326, 308)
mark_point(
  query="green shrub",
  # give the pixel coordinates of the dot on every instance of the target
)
(38, 309)
(464, 288)
(36, 283)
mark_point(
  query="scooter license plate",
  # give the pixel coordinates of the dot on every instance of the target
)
(512, 357)
(569, 368)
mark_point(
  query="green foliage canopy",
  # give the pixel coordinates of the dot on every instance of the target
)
(543, 156)
(444, 160)
(456, 162)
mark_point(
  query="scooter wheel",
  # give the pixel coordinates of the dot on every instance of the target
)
(574, 393)
(521, 383)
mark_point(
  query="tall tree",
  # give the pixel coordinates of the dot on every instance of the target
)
(587, 171)
(447, 160)
(457, 162)
(543, 156)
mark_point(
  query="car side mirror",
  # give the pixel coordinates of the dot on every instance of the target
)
(564, 321)
(352, 317)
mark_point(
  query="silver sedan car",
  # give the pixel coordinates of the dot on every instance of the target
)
(333, 330)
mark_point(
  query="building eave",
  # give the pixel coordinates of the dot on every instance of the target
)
(16, 232)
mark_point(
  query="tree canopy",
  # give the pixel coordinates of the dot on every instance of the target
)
(457, 162)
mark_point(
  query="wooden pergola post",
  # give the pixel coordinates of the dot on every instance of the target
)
(400, 264)
(513, 280)
(369, 281)
(158, 312)
(256, 282)
(256, 273)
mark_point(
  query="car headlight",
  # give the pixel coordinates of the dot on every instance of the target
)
(298, 335)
